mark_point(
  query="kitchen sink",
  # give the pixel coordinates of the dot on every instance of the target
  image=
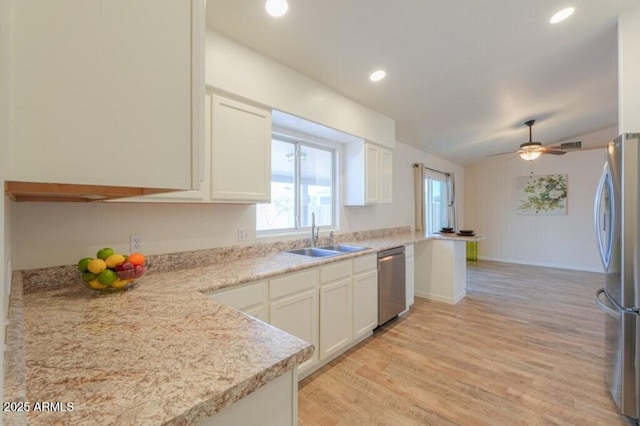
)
(343, 248)
(315, 252)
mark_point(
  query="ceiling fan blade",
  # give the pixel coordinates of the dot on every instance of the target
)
(567, 146)
(503, 153)
(552, 151)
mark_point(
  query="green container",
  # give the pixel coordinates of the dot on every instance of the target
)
(472, 250)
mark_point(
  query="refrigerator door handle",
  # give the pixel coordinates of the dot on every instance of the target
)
(613, 312)
(602, 219)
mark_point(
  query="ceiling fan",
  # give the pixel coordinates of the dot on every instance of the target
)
(532, 150)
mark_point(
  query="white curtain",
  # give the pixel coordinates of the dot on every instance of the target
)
(418, 197)
(420, 173)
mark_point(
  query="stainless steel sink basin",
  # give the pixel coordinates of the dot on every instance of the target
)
(344, 248)
(315, 252)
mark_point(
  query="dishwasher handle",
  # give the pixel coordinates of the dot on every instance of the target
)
(390, 252)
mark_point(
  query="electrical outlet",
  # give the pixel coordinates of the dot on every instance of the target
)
(135, 243)
(243, 234)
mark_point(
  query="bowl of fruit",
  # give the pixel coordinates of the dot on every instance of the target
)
(111, 272)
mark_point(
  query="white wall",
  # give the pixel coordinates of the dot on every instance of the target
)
(51, 234)
(566, 241)
(401, 212)
(629, 71)
(6, 8)
(244, 72)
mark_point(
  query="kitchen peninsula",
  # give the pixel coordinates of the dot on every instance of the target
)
(441, 267)
(163, 352)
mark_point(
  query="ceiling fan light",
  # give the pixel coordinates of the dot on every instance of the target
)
(277, 8)
(530, 155)
(377, 75)
(562, 15)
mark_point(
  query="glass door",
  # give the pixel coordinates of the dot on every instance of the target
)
(439, 201)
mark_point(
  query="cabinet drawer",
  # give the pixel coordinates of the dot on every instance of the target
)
(242, 297)
(335, 271)
(365, 263)
(292, 283)
(408, 250)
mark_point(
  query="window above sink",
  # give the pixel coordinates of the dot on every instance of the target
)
(303, 177)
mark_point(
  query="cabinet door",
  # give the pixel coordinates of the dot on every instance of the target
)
(365, 303)
(298, 315)
(240, 152)
(195, 195)
(386, 175)
(372, 174)
(108, 94)
(259, 311)
(335, 317)
(250, 299)
(410, 280)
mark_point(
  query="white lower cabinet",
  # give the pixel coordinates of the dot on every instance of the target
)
(365, 295)
(336, 307)
(332, 306)
(250, 299)
(365, 303)
(293, 308)
(274, 404)
(409, 274)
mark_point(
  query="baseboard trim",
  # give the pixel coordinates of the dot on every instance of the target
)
(333, 356)
(543, 264)
(440, 298)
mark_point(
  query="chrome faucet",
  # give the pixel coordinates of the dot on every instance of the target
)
(314, 230)
(331, 242)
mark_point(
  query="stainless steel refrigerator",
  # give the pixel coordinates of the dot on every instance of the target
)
(616, 220)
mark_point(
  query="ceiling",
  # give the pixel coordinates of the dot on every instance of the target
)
(462, 76)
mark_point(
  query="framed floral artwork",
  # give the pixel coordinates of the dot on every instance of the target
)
(541, 194)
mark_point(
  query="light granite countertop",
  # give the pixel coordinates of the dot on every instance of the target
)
(162, 353)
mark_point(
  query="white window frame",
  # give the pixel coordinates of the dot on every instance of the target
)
(324, 146)
(445, 178)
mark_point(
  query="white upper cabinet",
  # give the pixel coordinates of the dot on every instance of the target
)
(237, 156)
(385, 170)
(369, 172)
(109, 93)
(240, 151)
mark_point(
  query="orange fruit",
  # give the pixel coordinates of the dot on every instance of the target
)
(136, 259)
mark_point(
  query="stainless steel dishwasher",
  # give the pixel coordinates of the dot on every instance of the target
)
(391, 284)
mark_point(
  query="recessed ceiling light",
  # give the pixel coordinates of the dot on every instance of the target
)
(377, 75)
(562, 15)
(276, 8)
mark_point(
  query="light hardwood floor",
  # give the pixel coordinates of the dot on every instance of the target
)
(524, 347)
